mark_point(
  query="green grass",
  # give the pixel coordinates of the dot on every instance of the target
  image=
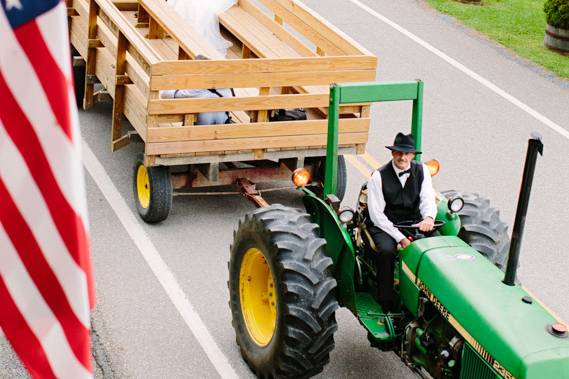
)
(516, 24)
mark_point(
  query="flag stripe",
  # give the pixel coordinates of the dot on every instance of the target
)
(54, 33)
(31, 204)
(21, 337)
(44, 279)
(37, 314)
(68, 223)
(34, 103)
(51, 78)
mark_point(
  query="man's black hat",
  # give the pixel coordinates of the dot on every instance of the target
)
(404, 143)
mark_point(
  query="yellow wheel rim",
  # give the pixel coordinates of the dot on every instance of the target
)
(143, 186)
(258, 297)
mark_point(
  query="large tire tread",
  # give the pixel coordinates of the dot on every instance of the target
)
(482, 227)
(304, 335)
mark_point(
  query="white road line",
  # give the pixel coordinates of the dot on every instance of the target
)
(453, 62)
(157, 264)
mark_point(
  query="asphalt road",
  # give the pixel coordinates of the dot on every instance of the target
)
(478, 133)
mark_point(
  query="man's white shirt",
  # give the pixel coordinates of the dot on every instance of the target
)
(376, 201)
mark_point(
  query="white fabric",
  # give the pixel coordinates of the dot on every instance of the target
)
(376, 201)
(202, 16)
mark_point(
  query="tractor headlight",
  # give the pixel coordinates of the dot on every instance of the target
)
(455, 204)
(346, 215)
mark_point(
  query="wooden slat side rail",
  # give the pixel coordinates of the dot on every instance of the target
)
(253, 66)
(248, 103)
(135, 100)
(245, 103)
(136, 41)
(134, 68)
(167, 82)
(188, 39)
(126, 5)
(117, 140)
(276, 28)
(88, 99)
(268, 129)
(315, 28)
(248, 144)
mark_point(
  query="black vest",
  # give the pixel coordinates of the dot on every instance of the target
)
(402, 204)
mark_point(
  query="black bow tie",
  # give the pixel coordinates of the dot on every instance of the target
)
(408, 171)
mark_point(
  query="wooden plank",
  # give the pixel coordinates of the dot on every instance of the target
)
(78, 36)
(136, 41)
(249, 103)
(258, 80)
(135, 110)
(258, 38)
(88, 99)
(318, 140)
(264, 65)
(134, 69)
(269, 129)
(179, 30)
(155, 30)
(276, 27)
(315, 28)
(119, 99)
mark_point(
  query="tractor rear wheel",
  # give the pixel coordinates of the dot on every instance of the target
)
(341, 178)
(482, 227)
(152, 191)
(282, 294)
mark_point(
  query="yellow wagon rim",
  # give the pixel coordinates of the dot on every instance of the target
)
(143, 186)
(258, 297)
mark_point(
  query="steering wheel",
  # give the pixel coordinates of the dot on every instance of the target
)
(410, 229)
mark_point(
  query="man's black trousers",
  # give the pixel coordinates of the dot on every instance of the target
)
(385, 263)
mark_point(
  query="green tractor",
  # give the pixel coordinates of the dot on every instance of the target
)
(458, 315)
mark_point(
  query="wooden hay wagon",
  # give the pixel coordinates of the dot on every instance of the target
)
(284, 56)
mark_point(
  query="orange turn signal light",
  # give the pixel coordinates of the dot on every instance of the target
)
(434, 166)
(301, 177)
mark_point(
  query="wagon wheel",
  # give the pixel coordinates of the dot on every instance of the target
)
(282, 294)
(78, 79)
(152, 191)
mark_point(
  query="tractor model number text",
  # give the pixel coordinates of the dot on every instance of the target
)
(438, 305)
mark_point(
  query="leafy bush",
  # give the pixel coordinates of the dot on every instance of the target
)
(557, 13)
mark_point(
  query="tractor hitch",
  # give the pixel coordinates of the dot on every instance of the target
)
(535, 146)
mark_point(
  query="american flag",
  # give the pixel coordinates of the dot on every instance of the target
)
(46, 284)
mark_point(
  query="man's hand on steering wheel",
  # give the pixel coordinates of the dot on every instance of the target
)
(426, 225)
(405, 242)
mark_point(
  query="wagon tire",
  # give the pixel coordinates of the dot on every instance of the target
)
(482, 227)
(152, 191)
(282, 294)
(78, 79)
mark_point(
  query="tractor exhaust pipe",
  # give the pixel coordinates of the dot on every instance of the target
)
(534, 146)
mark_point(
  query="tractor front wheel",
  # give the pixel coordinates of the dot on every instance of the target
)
(282, 294)
(152, 191)
(482, 227)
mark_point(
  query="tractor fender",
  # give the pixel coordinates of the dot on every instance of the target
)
(339, 245)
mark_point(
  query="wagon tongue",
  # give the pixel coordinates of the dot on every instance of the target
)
(534, 146)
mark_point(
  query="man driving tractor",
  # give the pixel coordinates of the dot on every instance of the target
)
(399, 191)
